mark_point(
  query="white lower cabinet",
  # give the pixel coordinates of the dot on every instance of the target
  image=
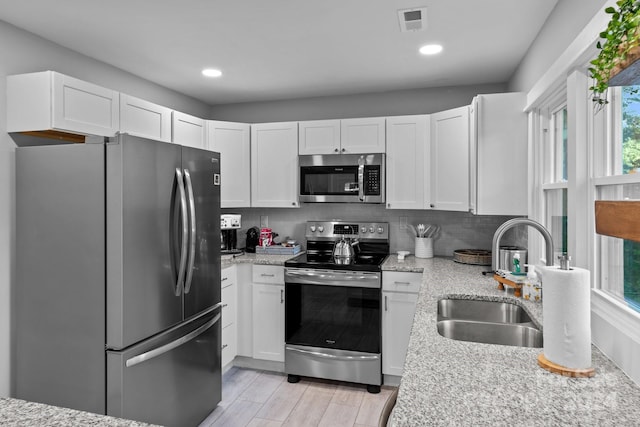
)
(229, 299)
(399, 298)
(245, 310)
(268, 312)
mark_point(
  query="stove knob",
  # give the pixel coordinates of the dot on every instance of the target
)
(371, 230)
(363, 230)
(380, 230)
(321, 228)
(313, 228)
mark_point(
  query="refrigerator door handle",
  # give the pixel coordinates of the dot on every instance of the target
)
(192, 230)
(141, 358)
(185, 232)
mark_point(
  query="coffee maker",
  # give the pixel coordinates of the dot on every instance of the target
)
(229, 225)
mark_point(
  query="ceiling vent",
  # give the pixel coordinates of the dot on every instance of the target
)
(413, 19)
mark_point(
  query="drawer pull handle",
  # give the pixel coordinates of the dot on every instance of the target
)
(224, 278)
(267, 275)
(402, 283)
(225, 305)
(225, 346)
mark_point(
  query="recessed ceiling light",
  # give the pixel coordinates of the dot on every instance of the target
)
(211, 72)
(430, 49)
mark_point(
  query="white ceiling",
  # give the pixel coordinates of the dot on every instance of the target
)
(281, 49)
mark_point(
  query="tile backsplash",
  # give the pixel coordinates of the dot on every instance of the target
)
(459, 230)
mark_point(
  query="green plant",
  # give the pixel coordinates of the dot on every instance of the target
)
(620, 37)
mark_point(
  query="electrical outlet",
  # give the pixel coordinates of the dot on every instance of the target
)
(264, 221)
(403, 222)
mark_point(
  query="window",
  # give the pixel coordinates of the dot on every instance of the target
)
(617, 139)
(554, 179)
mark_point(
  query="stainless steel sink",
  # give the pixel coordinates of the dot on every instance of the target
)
(487, 322)
(491, 333)
(483, 311)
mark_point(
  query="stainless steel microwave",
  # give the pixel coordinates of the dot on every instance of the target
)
(342, 178)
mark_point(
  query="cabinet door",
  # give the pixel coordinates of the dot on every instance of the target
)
(450, 160)
(499, 137)
(83, 107)
(319, 137)
(232, 141)
(408, 137)
(268, 322)
(362, 136)
(188, 130)
(145, 119)
(244, 314)
(274, 165)
(397, 320)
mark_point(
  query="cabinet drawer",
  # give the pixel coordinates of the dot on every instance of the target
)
(229, 347)
(401, 281)
(273, 274)
(228, 276)
(229, 306)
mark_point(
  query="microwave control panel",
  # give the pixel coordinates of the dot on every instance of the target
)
(372, 180)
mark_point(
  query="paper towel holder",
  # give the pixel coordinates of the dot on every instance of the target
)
(545, 363)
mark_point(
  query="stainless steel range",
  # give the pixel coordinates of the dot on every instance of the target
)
(333, 303)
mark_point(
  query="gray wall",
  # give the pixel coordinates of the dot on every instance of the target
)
(22, 52)
(459, 230)
(397, 103)
(566, 21)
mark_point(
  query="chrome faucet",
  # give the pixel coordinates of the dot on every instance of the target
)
(548, 240)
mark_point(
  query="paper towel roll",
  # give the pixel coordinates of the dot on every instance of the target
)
(566, 311)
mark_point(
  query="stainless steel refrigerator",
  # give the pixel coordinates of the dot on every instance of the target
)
(117, 293)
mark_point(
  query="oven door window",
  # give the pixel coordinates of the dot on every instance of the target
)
(328, 180)
(340, 317)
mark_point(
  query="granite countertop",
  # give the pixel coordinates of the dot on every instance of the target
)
(448, 382)
(259, 259)
(17, 412)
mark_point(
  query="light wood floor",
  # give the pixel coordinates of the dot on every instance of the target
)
(265, 399)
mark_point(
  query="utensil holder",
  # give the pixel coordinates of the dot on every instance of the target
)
(424, 247)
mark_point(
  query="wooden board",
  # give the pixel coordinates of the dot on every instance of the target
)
(627, 73)
(618, 219)
(54, 134)
(545, 363)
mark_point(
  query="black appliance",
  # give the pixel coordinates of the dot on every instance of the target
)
(355, 178)
(229, 225)
(333, 326)
(253, 237)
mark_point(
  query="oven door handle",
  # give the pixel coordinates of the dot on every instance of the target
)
(332, 356)
(332, 278)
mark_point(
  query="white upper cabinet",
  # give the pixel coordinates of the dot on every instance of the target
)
(145, 119)
(362, 136)
(232, 141)
(319, 137)
(449, 189)
(499, 154)
(48, 100)
(347, 136)
(274, 165)
(407, 140)
(188, 130)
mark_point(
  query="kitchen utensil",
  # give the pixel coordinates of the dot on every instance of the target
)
(421, 230)
(344, 248)
(507, 254)
(415, 232)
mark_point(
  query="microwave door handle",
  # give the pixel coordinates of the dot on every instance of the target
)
(361, 178)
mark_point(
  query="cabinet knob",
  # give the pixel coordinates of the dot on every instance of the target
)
(336, 150)
(432, 205)
(388, 205)
(343, 150)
